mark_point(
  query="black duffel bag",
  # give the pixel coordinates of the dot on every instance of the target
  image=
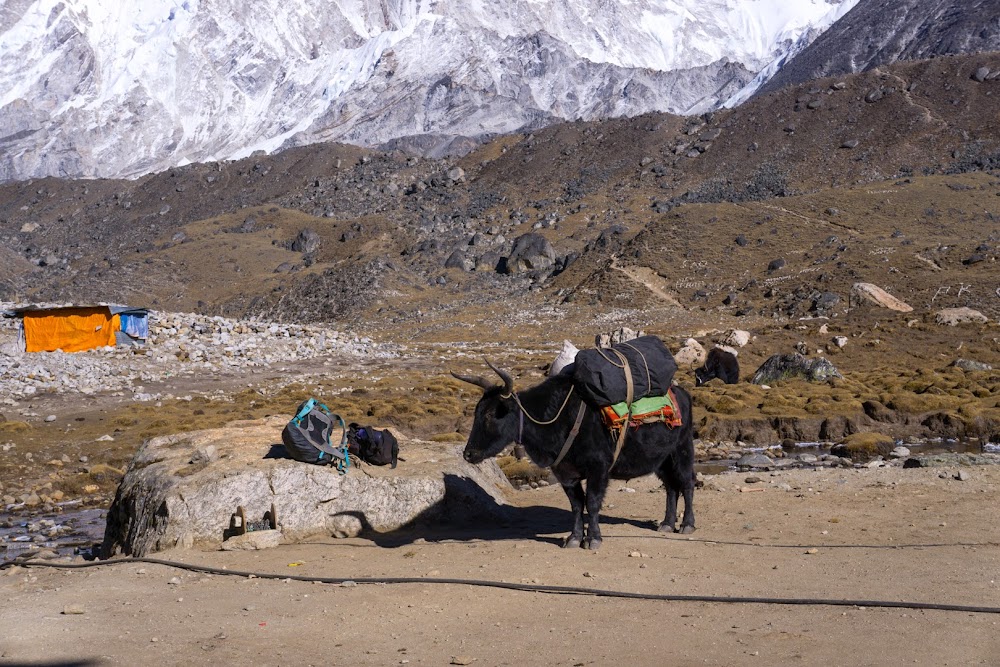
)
(371, 445)
(599, 374)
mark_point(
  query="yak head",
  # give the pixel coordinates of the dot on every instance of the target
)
(495, 417)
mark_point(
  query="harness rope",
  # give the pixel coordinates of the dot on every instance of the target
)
(572, 433)
(629, 399)
(629, 396)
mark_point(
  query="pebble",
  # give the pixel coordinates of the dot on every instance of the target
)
(812, 551)
(51, 418)
(73, 609)
(962, 476)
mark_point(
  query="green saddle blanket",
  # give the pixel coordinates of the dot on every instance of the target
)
(644, 405)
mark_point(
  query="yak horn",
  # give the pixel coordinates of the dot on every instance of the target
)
(480, 382)
(508, 381)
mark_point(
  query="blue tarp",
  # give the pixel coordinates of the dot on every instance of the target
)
(135, 325)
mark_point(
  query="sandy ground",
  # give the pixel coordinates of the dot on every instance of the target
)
(890, 534)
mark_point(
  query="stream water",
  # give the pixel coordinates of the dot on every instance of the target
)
(819, 450)
(67, 531)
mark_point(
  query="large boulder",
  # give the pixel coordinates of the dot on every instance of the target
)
(532, 253)
(875, 295)
(788, 366)
(172, 495)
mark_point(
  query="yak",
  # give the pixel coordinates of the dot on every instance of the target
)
(720, 364)
(551, 416)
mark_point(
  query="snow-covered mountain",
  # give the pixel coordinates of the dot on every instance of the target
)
(98, 88)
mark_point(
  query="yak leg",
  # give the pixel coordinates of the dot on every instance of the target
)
(670, 518)
(574, 491)
(597, 485)
(677, 482)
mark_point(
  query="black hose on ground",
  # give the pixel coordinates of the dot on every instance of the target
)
(527, 588)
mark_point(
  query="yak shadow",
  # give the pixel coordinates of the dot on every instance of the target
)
(468, 513)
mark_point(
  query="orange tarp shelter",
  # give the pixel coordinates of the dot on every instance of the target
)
(69, 329)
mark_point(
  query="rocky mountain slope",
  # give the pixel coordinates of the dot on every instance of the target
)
(98, 90)
(333, 232)
(880, 32)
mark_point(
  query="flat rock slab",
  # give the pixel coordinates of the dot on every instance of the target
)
(173, 496)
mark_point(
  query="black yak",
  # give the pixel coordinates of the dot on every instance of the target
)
(720, 364)
(547, 416)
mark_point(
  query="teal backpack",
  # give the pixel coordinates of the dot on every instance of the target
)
(307, 436)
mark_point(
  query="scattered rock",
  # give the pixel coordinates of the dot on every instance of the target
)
(962, 476)
(532, 252)
(874, 294)
(850, 143)
(74, 609)
(307, 242)
(755, 461)
(692, 352)
(954, 316)
(621, 335)
(840, 341)
(863, 447)
(970, 365)
(787, 366)
(253, 541)
(736, 338)
(899, 452)
(980, 74)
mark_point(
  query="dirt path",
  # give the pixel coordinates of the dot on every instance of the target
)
(903, 535)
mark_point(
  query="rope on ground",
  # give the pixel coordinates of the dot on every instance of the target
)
(527, 588)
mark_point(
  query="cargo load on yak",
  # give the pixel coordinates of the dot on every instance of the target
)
(625, 372)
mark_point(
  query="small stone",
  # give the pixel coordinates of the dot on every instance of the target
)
(752, 479)
(962, 476)
(589, 575)
(635, 554)
(462, 660)
(980, 74)
(899, 452)
(812, 551)
(174, 581)
(74, 609)
(51, 418)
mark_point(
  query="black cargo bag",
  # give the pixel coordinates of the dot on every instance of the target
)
(373, 446)
(307, 436)
(599, 375)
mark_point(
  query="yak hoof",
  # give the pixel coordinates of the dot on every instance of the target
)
(593, 544)
(665, 528)
(571, 542)
(687, 530)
